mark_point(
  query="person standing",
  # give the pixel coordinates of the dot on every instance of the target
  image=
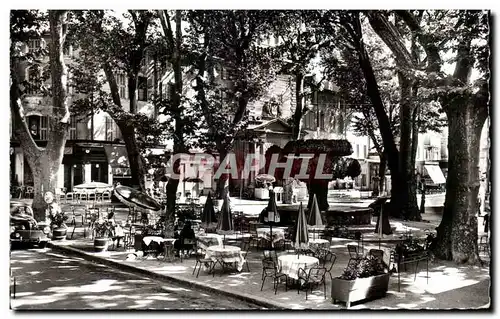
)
(422, 201)
(486, 223)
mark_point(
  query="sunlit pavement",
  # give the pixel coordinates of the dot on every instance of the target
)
(450, 286)
(48, 280)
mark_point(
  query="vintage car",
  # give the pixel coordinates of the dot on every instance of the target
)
(24, 229)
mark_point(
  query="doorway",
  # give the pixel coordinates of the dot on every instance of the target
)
(99, 172)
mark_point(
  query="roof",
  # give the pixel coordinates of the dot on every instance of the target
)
(266, 124)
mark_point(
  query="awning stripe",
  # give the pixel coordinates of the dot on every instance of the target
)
(435, 174)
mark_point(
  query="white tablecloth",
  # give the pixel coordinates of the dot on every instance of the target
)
(148, 239)
(228, 254)
(278, 233)
(318, 243)
(207, 240)
(290, 264)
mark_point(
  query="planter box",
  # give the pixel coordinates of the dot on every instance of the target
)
(59, 233)
(101, 244)
(261, 193)
(359, 289)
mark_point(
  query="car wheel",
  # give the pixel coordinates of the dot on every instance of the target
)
(42, 244)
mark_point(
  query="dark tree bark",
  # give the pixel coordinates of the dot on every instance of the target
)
(466, 112)
(353, 27)
(128, 131)
(381, 172)
(297, 115)
(175, 42)
(457, 234)
(405, 197)
(137, 168)
(45, 162)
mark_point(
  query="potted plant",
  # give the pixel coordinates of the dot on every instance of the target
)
(57, 222)
(103, 233)
(363, 278)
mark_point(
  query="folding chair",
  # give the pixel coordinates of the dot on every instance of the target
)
(353, 252)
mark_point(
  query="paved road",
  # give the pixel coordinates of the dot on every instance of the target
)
(48, 280)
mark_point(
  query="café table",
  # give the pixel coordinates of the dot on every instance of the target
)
(290, 264)
(278, 233)
(317, 243)
(207, 240)
(226, 255)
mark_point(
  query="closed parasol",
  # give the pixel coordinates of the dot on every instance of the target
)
(226, 225)
(208, 219)
(270, 215)
(301, 240)
(314, 218)
(135, 198)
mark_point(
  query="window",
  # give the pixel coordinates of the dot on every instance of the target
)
(121, 81)
(34, 80)
(72, 128)
(44, 127)
(111, 129)
(357, 150)
(310, 120)
(170, 91)
(34, 45)
(322, 120)
(418, 153)
(365, 151)
(34, 125)
(142, 89)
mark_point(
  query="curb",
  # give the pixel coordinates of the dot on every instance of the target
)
(139, 271)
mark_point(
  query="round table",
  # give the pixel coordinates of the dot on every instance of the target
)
(290, 264)
(157, 239)
(317, 243)
(278, 233)
(207, 240)
(226, 254)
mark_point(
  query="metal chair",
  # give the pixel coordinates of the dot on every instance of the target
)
(83, 195)
(270, 255)
(245, 247)
(98, 196)
(484, 244)
(315, 277)
(377, 253)
(128, 240)
(270, 269)
(75, 215)
(106, 195)
(353, 251)
(201, 260)
(69, 196)
(331, 258)
(91, 216)
(189, 245)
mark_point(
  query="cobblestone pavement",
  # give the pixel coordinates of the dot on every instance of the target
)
(48, 280)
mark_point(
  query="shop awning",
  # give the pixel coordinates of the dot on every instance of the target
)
(117, 156)
(435, 174)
